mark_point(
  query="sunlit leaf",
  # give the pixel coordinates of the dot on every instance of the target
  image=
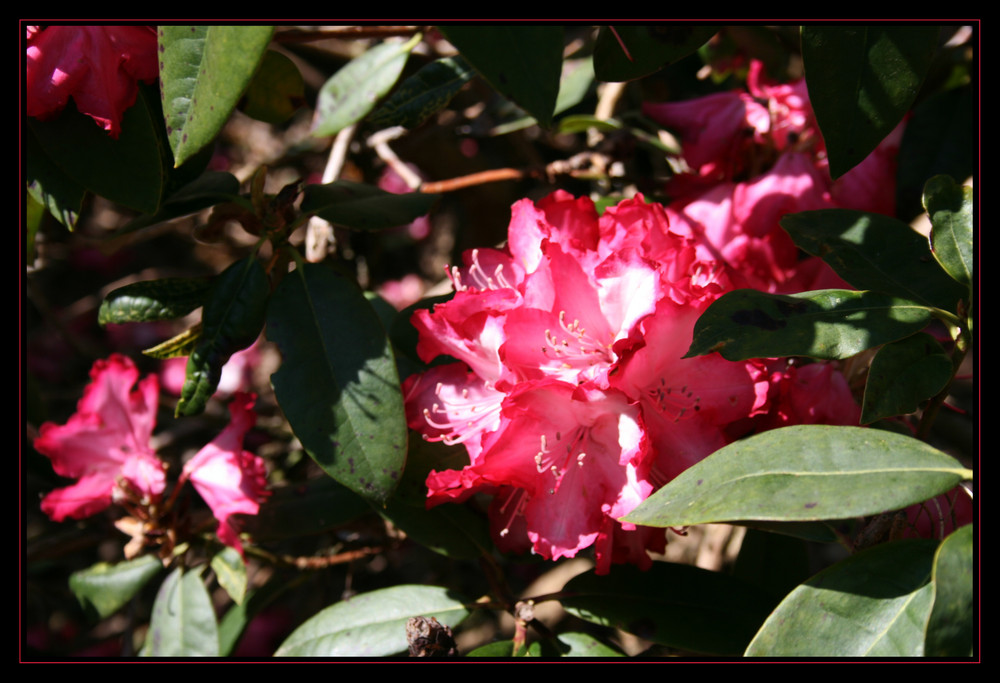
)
(183, 619)
(951, 626)
(204, 70)
(828, 323)
(148, 300)
(803, 472)
(108, 587)
(372, 624)
(231, 573)
(950, 207)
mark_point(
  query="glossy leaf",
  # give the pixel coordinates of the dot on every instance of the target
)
(951, 625)
(873, 604)
(351, 93)
(372, 624)
(862, 80)
(106, 588)
(672, 604)
(423, 94)
(276, 91)
(902, 375)
(204, 70)
(642, 49)
(365, 207)
(828, 323)
(824, 472)
(522, 62)
(950, 207)
(183, 620)
(131, 170)
(209, 189)
(150, 300)
(232, 319)
(875, 252)
(231, 573)
(337, 384)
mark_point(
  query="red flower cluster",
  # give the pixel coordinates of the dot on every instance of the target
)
(105, 445)
(571, 395)
(98, 66)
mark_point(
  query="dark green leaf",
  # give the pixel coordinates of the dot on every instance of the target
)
(828, 323)
(131, 170)
(672, 604)
(107, 587)
(423, 94)
(523, 63)
(149, 300)
(875, 252)
(951, 626)
(862, 80)
(337, 384)
(774, 562)
(183, 620)
(583, 645)
(950, 207)
(231, 573)
(354, 91)
(902, 375)
(276, 91)
(209, 189)
(304, 509)
(372, 624)
(365, 207)
(232, 319)
(49, 185)
(823, 472)
(204, 70)
(873, 604)
(641, 49)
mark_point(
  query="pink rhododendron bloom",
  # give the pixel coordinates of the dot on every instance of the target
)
(105, 444)
(98, 66)
(231, 480)
(570, 394)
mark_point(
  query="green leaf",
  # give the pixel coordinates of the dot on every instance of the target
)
(951, 625)
(672, 604)
(150, 300)
(304, 509)
(774, 562)
(231, 572)
(950, 207)
(337, 384)
(372, 624)
(862, 80)
(873, 604)
(181, 344)
(276, 91)
(423, 94)
(874, 252)
(204, 70)
(232, 319)
(365, 207)
(351, 93)
(131, 170)
(209, 189)
(827, 323)
(523, 63)
(584, 645)
(823, 472)
(49, 185)
(183, 620)
(649, 48)
(902, 375)
(107, 587)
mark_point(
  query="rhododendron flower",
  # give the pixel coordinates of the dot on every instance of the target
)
(570, 393)
(231, 480)
(98, 66)
(105, 444)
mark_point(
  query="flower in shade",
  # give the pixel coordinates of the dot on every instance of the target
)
(105, 444)
(231, 480)
(98, 66)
